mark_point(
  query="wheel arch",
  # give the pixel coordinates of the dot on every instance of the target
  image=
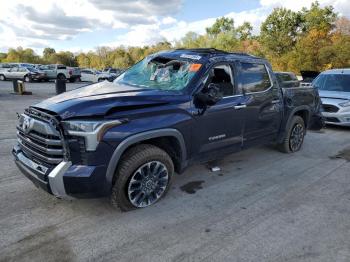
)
(303, 112)
(170, 140)
(61, 74)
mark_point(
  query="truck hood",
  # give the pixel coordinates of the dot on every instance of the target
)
(334, 94)
(98, 100)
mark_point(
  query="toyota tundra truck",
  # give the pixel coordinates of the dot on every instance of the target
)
(126, 139)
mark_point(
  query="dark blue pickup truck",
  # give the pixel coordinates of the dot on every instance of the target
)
(172, 109)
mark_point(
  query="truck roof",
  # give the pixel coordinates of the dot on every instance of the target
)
(206, 54)
(337, 71)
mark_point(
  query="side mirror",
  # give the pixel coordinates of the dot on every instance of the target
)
(208, 97)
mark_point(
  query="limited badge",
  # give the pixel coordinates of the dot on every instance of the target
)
(194, 57)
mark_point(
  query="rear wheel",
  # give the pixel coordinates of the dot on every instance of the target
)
(61, 77)
(294, 136)
(142, 178)
(2, 78)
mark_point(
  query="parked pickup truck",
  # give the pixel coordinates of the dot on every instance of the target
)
(61, 72)
(174, 108)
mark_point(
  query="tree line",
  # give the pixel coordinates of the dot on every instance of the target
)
(314, 38)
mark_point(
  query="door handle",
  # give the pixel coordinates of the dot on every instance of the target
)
(275, 101)
(240, 106)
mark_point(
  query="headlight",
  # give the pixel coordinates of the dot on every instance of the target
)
(92, 131)
(345, 104)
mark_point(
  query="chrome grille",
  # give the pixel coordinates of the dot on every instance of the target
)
(39, 139)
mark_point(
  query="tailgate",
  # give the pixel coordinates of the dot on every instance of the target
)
(75, 71)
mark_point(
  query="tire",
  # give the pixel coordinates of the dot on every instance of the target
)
(133, 166)
(2, 78)
(294, 138)
(100, 80)
(27, 79)
(61, 77)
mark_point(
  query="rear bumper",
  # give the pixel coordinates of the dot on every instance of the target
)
(65, 180)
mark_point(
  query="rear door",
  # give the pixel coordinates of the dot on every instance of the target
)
(263, 105)
(219, 127)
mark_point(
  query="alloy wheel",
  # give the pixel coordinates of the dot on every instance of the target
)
(148, 183)
(296, 137)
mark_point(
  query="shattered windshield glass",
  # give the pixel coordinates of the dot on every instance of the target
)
(160, 73)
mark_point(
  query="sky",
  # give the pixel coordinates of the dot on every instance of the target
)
(83, 25)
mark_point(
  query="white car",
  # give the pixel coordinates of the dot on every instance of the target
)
(92, 75)
(334, 89)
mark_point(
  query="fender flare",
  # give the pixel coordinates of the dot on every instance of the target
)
(131, 140)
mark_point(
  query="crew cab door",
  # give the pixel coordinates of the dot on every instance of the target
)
(50, 70)
(263, 104)
(218, 128)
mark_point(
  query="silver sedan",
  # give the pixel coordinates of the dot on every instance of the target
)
(334, 90)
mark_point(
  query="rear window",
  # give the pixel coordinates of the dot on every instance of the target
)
(254, 77)
(335, 82)
(284, 77)
(5, 66)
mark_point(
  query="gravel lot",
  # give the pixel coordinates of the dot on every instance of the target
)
(262, 206)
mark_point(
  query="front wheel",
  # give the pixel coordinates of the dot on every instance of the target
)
(142, 178)
(27, 79)
(2, 78)
(294, 136)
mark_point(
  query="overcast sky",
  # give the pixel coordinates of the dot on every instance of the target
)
(82, 25)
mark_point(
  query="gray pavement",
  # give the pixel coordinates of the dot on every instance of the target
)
(262, 206)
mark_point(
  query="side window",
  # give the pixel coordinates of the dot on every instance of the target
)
(61, 67)
(51, 67)
(222, 76)
(318, 82)
(254, 77)
(14, 69)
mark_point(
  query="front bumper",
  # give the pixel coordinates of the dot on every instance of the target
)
(339, 118)
(334, 113)
(64, 180)
(39, 77)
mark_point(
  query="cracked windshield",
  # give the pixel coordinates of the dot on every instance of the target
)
(160, 73)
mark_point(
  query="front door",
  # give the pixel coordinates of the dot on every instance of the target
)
(219, 128)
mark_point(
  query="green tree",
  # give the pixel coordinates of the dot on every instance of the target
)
(221, 25)
(280, 30)
(244, 31)
(322, 19)
(48, 54)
